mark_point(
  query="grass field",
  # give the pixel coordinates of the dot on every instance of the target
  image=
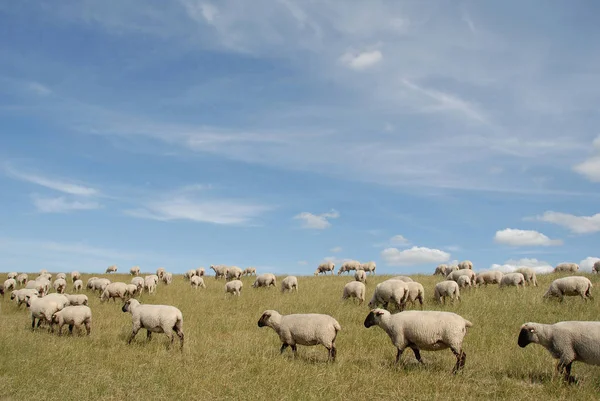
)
(227, 356)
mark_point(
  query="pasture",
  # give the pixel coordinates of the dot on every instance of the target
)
(227, 356)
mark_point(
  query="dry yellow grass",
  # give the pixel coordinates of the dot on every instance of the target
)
(227, 356)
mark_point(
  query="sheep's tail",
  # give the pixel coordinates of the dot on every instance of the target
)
(337, 326)
(468, 324)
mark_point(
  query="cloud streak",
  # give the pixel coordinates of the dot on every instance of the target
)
(51, 183)
(317, 221)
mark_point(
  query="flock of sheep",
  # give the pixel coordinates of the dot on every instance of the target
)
(418, 330)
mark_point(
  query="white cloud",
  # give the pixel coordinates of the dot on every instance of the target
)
(336, 249)
(397, 240)
(576, 224)
(62, 205)
(209, 12)
(361, 61)
(413, 256)
(317, 222)
(587, 263)
(56, 184)
(452, 248)
(38, 89)
(516, 237)
(511, 265)
(590, 168)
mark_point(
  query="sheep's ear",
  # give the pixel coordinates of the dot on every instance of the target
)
(379, 313)
(531, 330)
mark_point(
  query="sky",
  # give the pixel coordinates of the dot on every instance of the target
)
(281, 134)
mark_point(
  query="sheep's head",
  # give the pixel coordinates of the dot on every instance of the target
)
(527, 335)
(126, 306)
(54, 318)
(12, 295)
(264, 319)
(374, 317)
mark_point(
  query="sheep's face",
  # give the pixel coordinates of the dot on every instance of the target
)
(126, 306)
(374, 317)
(54, 318)
(12, 295)
(527, 335)
(264, 319)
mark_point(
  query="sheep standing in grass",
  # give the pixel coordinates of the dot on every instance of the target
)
(512, 279)
(150, 284)
(160, 272)
(449, 289)
(441, 270)
(596, 267)
(20, 296)
(73, 316)
(132, 290)
(75, 275)
(12, 275)
(406, 279)
(134, 271)
(114, 291)
(361, 276)
(566, 267)
(88, 284)
(60, 285)
(324, 268)
(189, 274)
(463, 281)
(489, 277)
(167, 278)
(139, 282)
(390, 291)
(529, 274)
(61, 276)
(416, 292)
(43, 282)
(36, 285)
(197, 281)
(219, 270)
(200, 271)
(10, 284)
(355, 289)
(77, 285)
(111, 269)
(304, 329)
(289, 283)
(348, 266)
(454, 275)
(265, 280)
(465, 264)
(570, 286)
(100, 284)
(155, 319)
(368, 267)
(234, 273)
(77, 299)
(423, 330)
(234, 287)
(22, 279)
(46, 276)
(567, 341)
(42, 309)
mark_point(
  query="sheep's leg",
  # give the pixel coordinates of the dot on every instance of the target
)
(295, 350)
(332, 352)
(70, 329)
(88, 327)
(179, 333)
(148, 335)
(32, 323)
(399, 354)
(417, 354)
(460, 360)
(283, 347)
(133, 333)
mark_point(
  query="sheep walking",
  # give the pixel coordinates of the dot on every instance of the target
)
(73, 316)
(566, 267)
(60, 285)
(289, 283)
(368, 267)
(441, 270)
(10, 284)
(361, 276)
(197, 281)
(114, 291)
(265, 280)
(111, 269)
(155, 319)
(466, 264)
(416, 292)
(22, 279)
(160, 272)
(134, 271)
(167, 278)
(355, 289)
(488, 277)
(77, 285)
(233, 273)
(304, 329)
(570, 286)
(512, 279)
(390, 291)
(446, 289)
(463, 282)
(200, 271)
(189, 274)
(220, 271)
(249, 271)
(529, 274)
(596, 267)
(454, 275)
(348, 266)
(234, 287)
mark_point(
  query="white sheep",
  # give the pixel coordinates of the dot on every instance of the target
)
(570, 286)
(512, 279)
(361, 276)
(234, 287)
(234, 273)
(219, 270)
(348, 266)
(465, 264)
(155, 319)
(368, 267)
(61, 299)
(134, 271)
(132, 290)
(88, 285)
(448, 288)
(416, 292)
(10, 284)
(61, 275)
(75, 275)
(489, 277)
(324, 268)
(77, 299)
(60, 285)
(463, 281)
(265, 280)
(423, 330)
(73, 316)
(454, 275)
(567, 341)
(167, 278)
(189, 274)
(406, 279)
(40, 287)
(160, 272)
(20, 296)
(200, 271)
(46, 276)
(355, 289)
(77, 285)
(304, 329)
(566, 267)
(44, 282)
(111, 269)
(100, 284)
(42, 309)
(12, 275)
(22, 278)
(197, 281)
(442, 270)
(529, 274)
(289, 283)
(114, 291)
(150, 284)
(390, 291)
(139, 282)
(248, 271)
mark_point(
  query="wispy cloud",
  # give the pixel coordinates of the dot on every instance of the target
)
(38, 88)
(512, 265)
(62, 205)
(336, 249)
(361, 61)
(52, 183)
(413, 256)
(516, 237)
(590, 168)
(317, 221)
(576, 224)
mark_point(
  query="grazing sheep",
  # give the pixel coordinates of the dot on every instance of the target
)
(12, 275)
(289, 283)
(355, 289)
(454, 275)
(304, 329)
(324, 268)
(10, 284)
(88, 285)
(150, 284)
(463, 281)
(111, 269)
(197, 281)
(75, 275)
(452, 268)
(406, 279)
(596, 267)
(60, 285)
(348, 266)
(160, 272)
(40, 287)
(234, 287)
(512, 279)
(566, 267)
(189, 274)
(570, 286)
(42, 309)
(167, 278)
(61, 275)
(529, 274)
(489, 277)
(77, 299)
(248, 271)
(20, 296)
(416, 292)
(219, 270)
(46, 276)
(77, 285)
(361, 276)
(134, 271)
(61, 299)
(448, 288)
(74, 316)
(465, 264)
(368, 267)
(265, 280)
(155, 319)
(22, 278)
(423, 330)
(100, 284)
(441, 270)
(567, 341)
(139, 282)
(390, 291)
(200, 271)
(2, 290)
(233, 273)
(114, 290)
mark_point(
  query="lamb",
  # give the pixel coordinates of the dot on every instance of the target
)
(20, 296)
(512, 279)
(423, 330)
(265, 280)
(22, 278)
(197, 281)
(368, 267)
(234, 273)
(219, 270)
(189, 274)
(167, 278)
(529, 274)
(406, 279)
(289, 283)
(596, 267)
(60, 285)
(324, 268)
(111, 269)
(465, 264)
(132, 289)
(12, 275)
(160, 272)
(448, 288)
(304, 329)
(234, 287)
(570, 286)
(348, 266)
(42, 309)
(10, 284)
(463, 281)
(155, 319)
(77, 285)
(77, 299)
(248, 271)
(361, 276)
(139, 282)
(394, 291)
(200, 271)
(442, 270)
(567, 341)
(454, 275)
(61, 275)
(566, 267)
(74, 316)
(489, 277)
(134, 271)
(355, 289)
(75, 275)
(416, 292)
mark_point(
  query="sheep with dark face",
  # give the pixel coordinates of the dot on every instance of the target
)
(155, 319)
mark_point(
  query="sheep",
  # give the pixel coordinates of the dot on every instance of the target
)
(451, 268)
(361, 276)
(394, 291)
(265, 280)
(42, 309)
(111, 269)
(43, 271)
(134, 271)
(100, 284)
(234, 287)
(74, 316)
(20, 296)
(197, 281)
(44, 282)
(77, 299)
(463, 281)
(289, 283)
(160, 272)
(46, 276)
(348, 266)
(416, 292)
(219, 270)
(22, 278)
(10, 284)
(155, 319)
(566, 267)
(61, 275)
(570, 286)
(423, 330)
(489, 277)
(512, 279)
(567, 341)
(150, 284)
(596, 267)
(406, 279)
(167, 278)
(2, 290)
(355, 289)
(75, 275)
(60, 285)
(139, 282)
(189, 274)
(40, 287)
(529, 274)
(368, 267)
(248, 271)
(12, 275)
(77, 285)
(61, 299)
(233, 273)
(448, 288)
(465, 264)
(131, 290)
(454, 275)
(87, 284)
(304, 329)
(441, 270)
(200, 271)
(324, 268)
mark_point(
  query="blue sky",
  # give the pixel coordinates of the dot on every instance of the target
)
(278, 134)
